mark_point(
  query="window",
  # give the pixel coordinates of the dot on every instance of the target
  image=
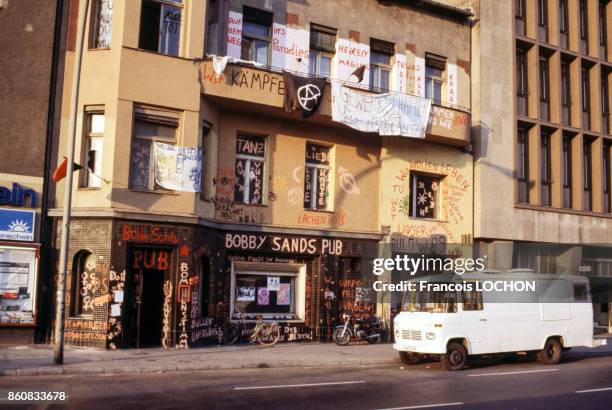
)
(322, 49)
(545, 170)
(101, 24)
(586, 98)
(472, 299)
(256, 35)
(584, 28)
(83, 283)
(249, 171)
(581, 291)
(522, 85)
(316, 177)
(380, 63)
(94, 148)
(543, 19)
(149, 126)
(607, 178)
(160, 26)
(605, 108)
(434, 70)
(519, 17)
(567, 172)
(603, 34)
(424, 196)
(566, 97)
(544, 89)
(587, 175)
(523, 165)
(273, 290)
(563, 21)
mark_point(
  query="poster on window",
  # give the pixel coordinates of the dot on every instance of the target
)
(178, 168)
(387, 114)
(451, 89)
(17, 285)
(234, 34)
(419, 76)
(245, 293)
(350, 55)
(283, 296)
(263, 296)
(256, 182)
(362, 294)
(290, 48)
(273, 282)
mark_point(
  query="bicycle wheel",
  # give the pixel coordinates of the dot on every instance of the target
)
(268, 334)
(233, 334)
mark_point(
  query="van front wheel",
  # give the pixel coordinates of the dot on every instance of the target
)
(551, 354)
(455, 357)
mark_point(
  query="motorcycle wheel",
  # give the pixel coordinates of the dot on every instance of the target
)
(339, 338)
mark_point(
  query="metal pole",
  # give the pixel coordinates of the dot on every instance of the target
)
(58, 348)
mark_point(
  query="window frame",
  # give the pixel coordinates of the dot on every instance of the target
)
(94, 27)
(545, 163)
(523, 155)
(583, 21)
(587, 172)
(89, 180)
(161, 118)
(585, 90)
(413, 195)
(383, 49)
(522, 75)
(543, 13)
(544, 77)
(317, 52)
(315, 179)
(253, 37)
(563, 17)
(162, 3)
(248, 158)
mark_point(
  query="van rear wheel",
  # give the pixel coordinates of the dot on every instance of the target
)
(409, 358)
(455, 357)
(551, 354)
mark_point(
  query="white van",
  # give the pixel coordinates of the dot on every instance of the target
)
(472, 318)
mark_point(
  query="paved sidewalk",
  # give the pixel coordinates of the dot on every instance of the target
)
(37, 360)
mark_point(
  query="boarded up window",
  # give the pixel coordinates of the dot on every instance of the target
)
(316, 177)
(249, 169)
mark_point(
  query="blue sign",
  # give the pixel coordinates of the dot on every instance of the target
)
(17, 225)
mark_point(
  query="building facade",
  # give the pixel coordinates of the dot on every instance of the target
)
(542, 138)
(29, 94)
(289, 210)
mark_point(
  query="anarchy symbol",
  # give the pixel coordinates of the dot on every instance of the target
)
(308, 95)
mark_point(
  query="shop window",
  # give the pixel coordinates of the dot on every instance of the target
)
(434, 72)
(205, 283)
(472, 300)
(317, 177)
(522, 165)
(160, 26)
(256, 33)
(275, 291)
(380, 64)
(249, 170)
(545, 169)
(83, 283)
(567, 172)
(424, 196)
(93, 147)
(322, 49)
(150, 126)
(101, 24)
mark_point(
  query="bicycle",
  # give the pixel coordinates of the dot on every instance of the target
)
(267, 334)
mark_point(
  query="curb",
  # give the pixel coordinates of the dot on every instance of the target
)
(63, 370)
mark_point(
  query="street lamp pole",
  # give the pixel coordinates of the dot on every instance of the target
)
(58, 348)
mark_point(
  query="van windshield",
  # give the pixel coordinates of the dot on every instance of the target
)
(430, 301)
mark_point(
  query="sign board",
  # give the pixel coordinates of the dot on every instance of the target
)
(18, 267)
(17, 225)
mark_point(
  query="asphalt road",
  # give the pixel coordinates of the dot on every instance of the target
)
(582, 381)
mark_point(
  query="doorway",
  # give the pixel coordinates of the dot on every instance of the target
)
(146, 296)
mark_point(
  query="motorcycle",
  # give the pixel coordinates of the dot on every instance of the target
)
(369, 329)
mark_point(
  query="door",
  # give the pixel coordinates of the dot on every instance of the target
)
(149, 308)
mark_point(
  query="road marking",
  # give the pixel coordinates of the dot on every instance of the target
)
(508, 373)
(425, 406)
(593, 390)
(285, 386)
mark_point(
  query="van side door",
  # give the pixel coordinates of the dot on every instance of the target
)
(473, 320)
